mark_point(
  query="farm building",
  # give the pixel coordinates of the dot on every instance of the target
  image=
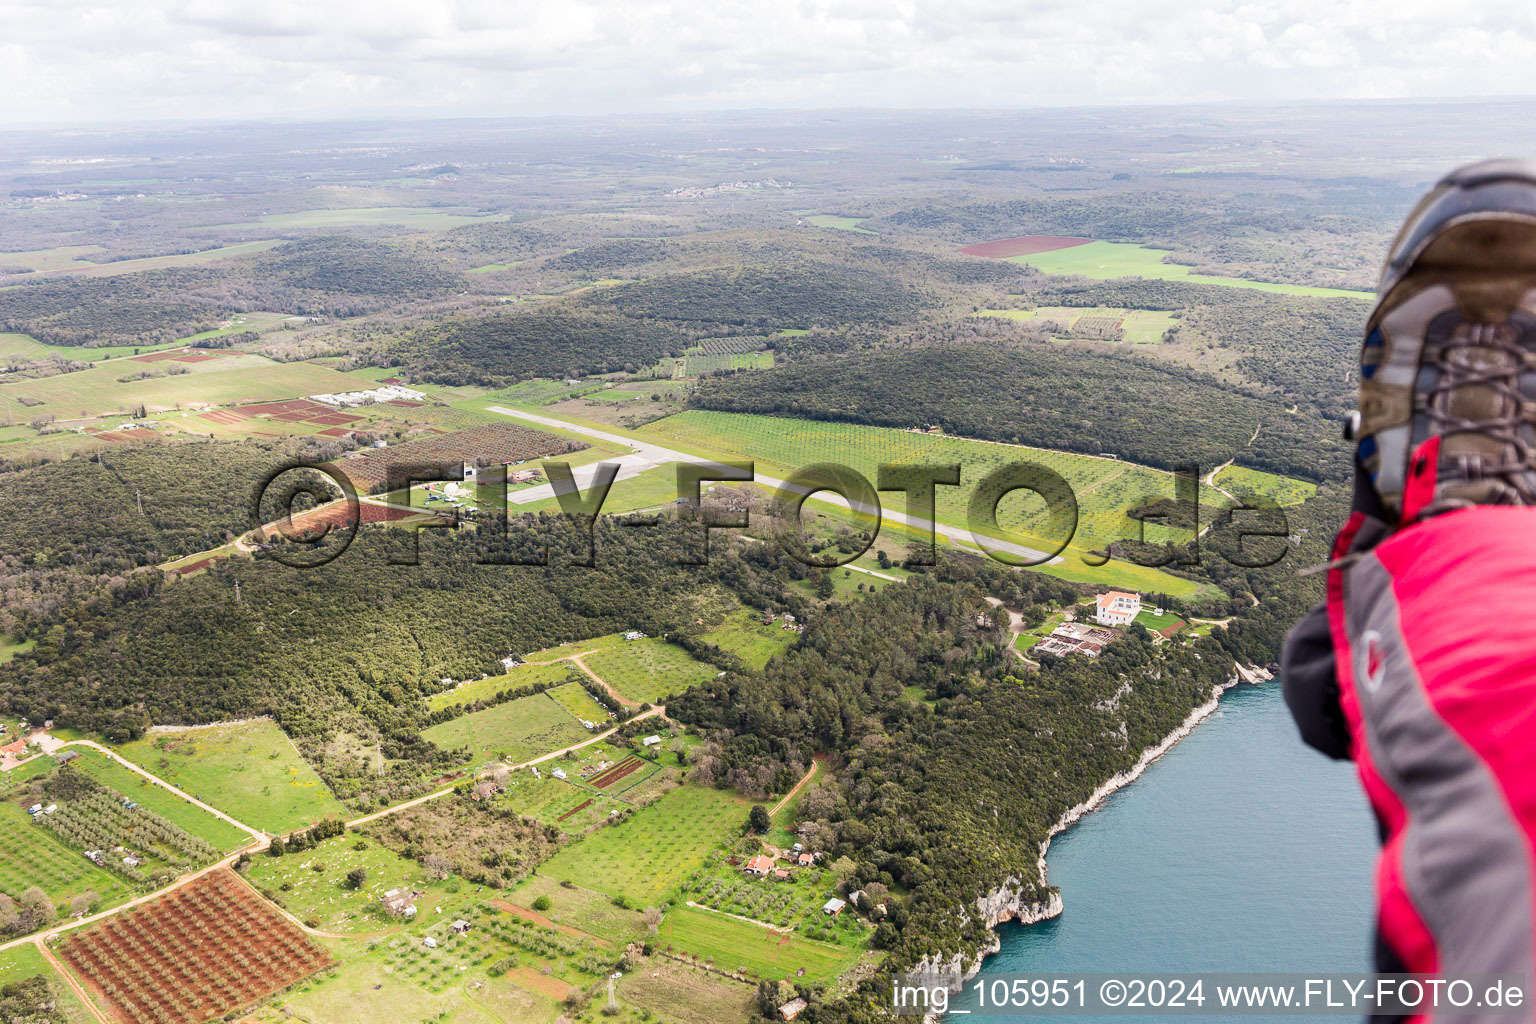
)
(781, 874)
(523, 476)
(833, 907)
(805, 858)
(460, 926)
(1117, 608)
(792, 1009)
(651, 741)
(759, 865)
(1075, 638)
(399, 903)
(429, 942)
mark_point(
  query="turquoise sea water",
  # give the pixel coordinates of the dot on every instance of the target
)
(1239, 850)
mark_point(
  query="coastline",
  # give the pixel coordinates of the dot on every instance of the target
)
(1003, 904)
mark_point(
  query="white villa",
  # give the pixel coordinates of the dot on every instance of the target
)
(1117, 608)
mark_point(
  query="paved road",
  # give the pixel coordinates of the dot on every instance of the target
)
(646, 455)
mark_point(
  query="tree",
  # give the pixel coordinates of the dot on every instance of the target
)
(356, 877)
(758, 820)
(37, 908)
(278, 847)
(824, 588)
(83, 904)
(541, 904)
(438, 867)
(844, 869)
(10, 920)
(651, 919)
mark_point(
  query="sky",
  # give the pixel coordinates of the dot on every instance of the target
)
(122, 61)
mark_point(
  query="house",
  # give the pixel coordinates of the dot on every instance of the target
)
(523, 476)
(1117, 608)
(131, 861)
(833, 907)
(651, 741)
(805, 858)
(793, 1008)
(460, 926)
(781, 874)
(759, 865)
(558, 773)
(429, 942)
(14, 749)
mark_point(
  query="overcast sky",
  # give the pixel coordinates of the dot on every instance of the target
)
(133, 60)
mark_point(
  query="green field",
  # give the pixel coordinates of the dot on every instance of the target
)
(1281, 490)
(738, 946)
(827, 220)
(480, 689)
(251, 772)
(25, 961)
(187, 259)
(64, 257)
(649, 670)
(647, 856)
(1123, 259)
(221, 835)
(650, 489)
(517, 731)
(584, 910)
(324, 895)
(419, 218)
(547, 799)
(23, 347)
(578, 702)
(698, 365)
(744, 635)
(31, 855)
(1105, 488)
(1141, 326)
(10, 647)
(226, 381)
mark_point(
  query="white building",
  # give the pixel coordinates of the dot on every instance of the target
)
(1117, 608)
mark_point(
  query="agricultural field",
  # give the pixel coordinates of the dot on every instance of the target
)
(737, 946)
(221, 835)
(648, 855)
(576, 911)
(23, 347)
(19, 965)
(31, 855)
(744, 635)
(1124, 259)
(473, 690)
(581, 704)
(794, 903)
(649, 489)
(214, 929)
(648, 670)
(323, 896)
(697, 366)
(689, 995)
(229, 379)
(827, 220)
(63, 257)
(1105, 488)
(498, 442)
(250, 771)
(1140, 326)
(417, 218)
(1281, 490)
(130, 841)
(515, 732)
(571, 808)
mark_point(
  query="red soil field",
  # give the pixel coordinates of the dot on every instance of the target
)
(579, 807)
(199, 952)
(191, 567)
(297, 416)
(405, 403)
(134, 434)
(335, 432)
(618, 773)
(498, 443)
(1026, 245)
(223, 416)
(336, 515)
(334, 419)
(275, 408)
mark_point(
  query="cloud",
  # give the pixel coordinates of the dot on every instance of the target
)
(118, 60)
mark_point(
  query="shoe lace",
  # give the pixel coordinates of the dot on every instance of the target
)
(1463, 360)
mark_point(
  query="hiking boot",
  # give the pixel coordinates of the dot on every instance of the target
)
(1447, 414)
